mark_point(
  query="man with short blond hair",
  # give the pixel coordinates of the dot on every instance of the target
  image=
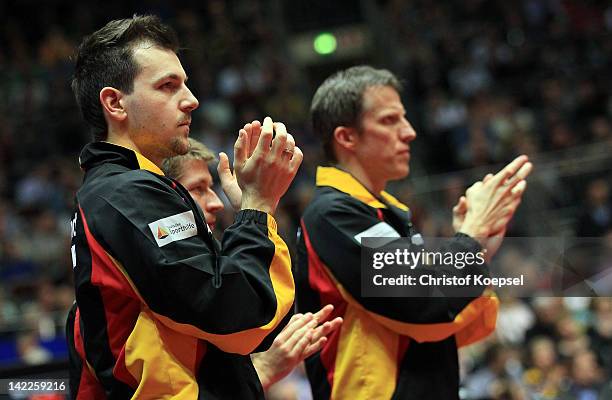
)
(303, 336)
(388, 347)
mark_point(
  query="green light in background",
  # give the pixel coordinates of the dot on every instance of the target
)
(325, 43)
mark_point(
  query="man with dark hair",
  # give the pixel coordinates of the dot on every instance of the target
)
(301, 337)
(163, 309)
(106, 58)
(388, 347)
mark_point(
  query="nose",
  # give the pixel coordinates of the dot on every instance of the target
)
(189, 103)
(214, 204)
(407, 132)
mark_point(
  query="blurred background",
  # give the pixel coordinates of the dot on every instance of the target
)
(484, 82)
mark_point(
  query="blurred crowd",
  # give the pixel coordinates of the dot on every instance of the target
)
(545, 348)
(484, 82)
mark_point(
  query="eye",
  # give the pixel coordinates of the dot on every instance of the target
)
(390, 119)
(197, 191)
(170, 85)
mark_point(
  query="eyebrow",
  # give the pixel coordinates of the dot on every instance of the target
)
(392, 110)
(172, 76)
(201, 182)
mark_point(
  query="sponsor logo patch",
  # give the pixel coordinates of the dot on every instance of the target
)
(382, 229)
(175, 227)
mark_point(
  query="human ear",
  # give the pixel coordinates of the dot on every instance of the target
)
(111, 100)
(346, 137)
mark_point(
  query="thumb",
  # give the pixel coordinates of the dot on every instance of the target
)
(461, 206)
(225, 173)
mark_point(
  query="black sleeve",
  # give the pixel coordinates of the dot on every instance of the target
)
(332, 231)
(232, 299)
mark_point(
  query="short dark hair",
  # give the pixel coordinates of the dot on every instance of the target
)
(105, 58)
(339, 101)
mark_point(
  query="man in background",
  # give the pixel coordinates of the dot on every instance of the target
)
(302, 336)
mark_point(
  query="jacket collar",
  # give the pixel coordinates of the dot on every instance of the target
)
(97, 153)
(345, 182)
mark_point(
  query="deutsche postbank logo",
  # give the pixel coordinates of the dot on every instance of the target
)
(175, 227)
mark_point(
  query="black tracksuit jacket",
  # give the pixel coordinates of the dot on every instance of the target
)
(162, 309)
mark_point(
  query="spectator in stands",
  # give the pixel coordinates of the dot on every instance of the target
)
(596, 217)
(544, 374)
(586, 378)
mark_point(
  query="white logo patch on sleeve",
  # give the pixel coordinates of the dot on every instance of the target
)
(175, 227)
(382, 229)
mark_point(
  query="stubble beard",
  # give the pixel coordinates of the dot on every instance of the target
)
(179, 146)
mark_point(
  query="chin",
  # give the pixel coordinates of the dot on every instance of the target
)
(180, 146)
(401, 173)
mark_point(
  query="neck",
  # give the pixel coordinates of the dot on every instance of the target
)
(360, 172)
(127, 142)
